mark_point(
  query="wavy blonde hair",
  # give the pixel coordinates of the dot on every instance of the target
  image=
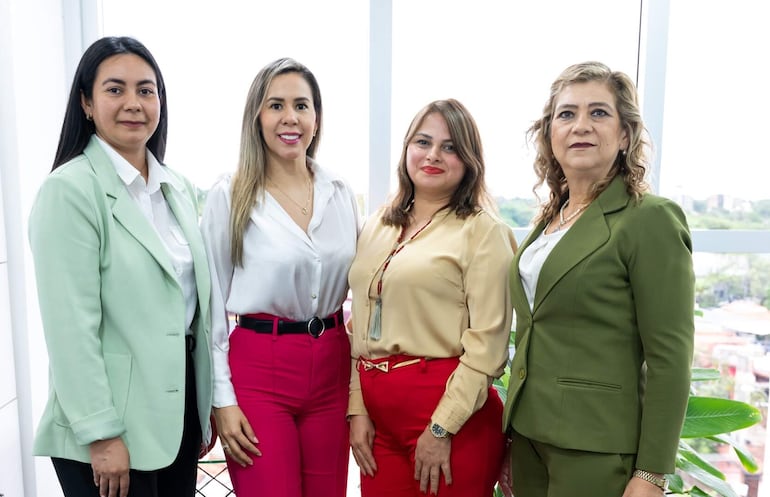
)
(632, 165)
(248, 182)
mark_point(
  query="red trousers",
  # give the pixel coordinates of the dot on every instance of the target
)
(400, 403)
(293, 389)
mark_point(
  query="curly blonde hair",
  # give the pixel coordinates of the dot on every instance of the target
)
(631, 164)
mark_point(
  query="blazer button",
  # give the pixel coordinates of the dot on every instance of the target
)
(522, 374)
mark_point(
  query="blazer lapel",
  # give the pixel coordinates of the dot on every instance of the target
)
(187, 217)
(124, 209)
(588, 233)
(517, 288)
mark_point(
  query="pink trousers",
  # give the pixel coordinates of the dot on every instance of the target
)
(293, 389)
(400, 403)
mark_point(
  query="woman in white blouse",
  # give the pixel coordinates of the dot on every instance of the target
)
(281, 234)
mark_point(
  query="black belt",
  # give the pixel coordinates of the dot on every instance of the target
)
(314, 327)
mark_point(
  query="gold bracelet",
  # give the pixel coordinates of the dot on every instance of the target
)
(658, 481)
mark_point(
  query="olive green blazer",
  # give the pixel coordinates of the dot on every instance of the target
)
(113, 315)
(602, 361)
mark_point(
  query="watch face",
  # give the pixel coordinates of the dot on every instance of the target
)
(438, 431)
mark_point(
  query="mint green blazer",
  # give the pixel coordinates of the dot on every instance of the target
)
(113, 315)
(602, 361)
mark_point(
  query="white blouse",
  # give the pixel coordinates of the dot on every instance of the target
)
(532, 260)
(286, 272)
(150, 200)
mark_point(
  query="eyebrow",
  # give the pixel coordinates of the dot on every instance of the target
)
(426, 135)
(122, 82)
(281, 99)
(590, 105)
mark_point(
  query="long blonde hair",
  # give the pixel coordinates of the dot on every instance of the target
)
(631, 165)
(248, 182)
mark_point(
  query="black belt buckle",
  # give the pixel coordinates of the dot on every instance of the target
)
(316, 327)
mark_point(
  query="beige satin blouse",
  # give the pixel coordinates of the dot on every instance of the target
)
(445, 294)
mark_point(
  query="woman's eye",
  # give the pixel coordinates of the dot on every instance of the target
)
(302, 107)
(599, 112)
(146, 91)
(565, 114)
(114, 90)
(421, 141)
(274, 106)
(449, 148)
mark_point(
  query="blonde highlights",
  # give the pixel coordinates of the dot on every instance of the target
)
(248, 183)
(631, 164)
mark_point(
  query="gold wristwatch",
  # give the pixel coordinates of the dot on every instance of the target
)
(438, 431)
(658, 481)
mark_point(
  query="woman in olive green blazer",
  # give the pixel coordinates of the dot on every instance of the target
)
(603, 291)
(124, 294)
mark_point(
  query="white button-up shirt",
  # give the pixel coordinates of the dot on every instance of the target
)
(153, 205)
(286, 272)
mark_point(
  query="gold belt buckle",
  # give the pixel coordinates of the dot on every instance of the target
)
(382, 366)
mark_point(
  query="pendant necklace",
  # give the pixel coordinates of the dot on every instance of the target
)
(306, 207)
(375, 325)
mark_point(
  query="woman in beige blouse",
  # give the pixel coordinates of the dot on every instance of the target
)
(431, 319)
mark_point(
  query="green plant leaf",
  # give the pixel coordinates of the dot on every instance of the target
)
(718, 485)
(675, 484)
(501, 391)
(697, 492)
(708, 416)
(704, 374)
(689, 454)
(746, 458)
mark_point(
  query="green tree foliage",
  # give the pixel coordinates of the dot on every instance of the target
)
(739, 277)
(517, 212)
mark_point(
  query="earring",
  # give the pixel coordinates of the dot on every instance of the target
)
(89, 117)
(623, 152)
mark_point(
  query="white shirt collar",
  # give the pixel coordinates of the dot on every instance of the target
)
(156, 173)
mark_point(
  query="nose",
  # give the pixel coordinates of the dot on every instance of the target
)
(434, 153)
(582, 122)
(132, 102)
(290, 116)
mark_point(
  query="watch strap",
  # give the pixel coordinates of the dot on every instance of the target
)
(438, 431)
(658, 481)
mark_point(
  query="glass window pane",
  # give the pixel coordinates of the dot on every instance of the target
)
(499, 59)
(210, 52)
(715, 117)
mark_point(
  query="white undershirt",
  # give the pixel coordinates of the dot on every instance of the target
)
(153, 205)
(532, 260)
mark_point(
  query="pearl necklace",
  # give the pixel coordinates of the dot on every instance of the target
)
(564, 220)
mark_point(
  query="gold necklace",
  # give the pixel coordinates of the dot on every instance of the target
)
(306, 207)
(564, 220)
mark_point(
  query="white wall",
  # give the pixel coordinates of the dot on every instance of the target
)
(33, 87)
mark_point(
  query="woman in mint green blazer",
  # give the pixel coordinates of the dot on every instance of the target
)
(603, 293)
(124, 288)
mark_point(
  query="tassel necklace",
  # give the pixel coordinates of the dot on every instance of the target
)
(375, 325)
